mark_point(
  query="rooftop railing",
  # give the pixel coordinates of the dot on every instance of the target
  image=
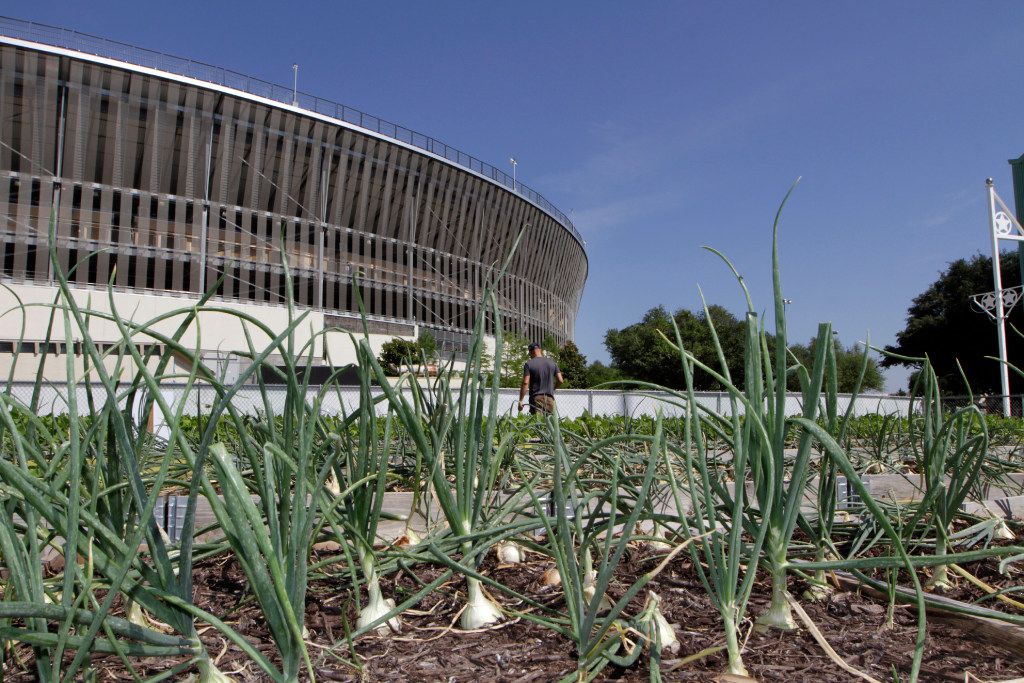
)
(111, 49)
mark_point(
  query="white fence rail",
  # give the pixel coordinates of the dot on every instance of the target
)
(572, 403)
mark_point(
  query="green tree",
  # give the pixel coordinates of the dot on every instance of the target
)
(640, 353)
(573, 365)
(942, 324)
(848, 361)
(514, 354)
(599, 373)
(398, 352)
(550, 345)
(427, 344)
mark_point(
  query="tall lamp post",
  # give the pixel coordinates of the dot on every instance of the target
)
(295, 85)
(512, 160)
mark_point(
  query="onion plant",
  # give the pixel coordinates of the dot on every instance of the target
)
(950, 453)
(97, 516)
(826, 500)
(779, 490)
(583, 525)
(362, 461)
(725, 563)
(462, 453)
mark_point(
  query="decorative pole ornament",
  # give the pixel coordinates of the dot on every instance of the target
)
(998, 304)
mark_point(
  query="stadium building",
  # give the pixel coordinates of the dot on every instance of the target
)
(165, 174)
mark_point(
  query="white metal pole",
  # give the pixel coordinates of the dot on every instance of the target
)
(295, 85)
(1004, 373)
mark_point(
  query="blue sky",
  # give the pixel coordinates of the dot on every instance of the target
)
(662, 127)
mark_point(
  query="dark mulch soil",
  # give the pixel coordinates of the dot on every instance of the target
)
(430, 649)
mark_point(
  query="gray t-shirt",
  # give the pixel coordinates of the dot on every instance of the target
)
(542, 371)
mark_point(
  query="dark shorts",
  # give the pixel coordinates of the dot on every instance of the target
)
(542, 403)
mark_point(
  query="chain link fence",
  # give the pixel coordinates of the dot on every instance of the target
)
(571, 403)
(990, 404)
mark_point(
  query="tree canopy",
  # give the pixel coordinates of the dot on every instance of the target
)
(640, 353)
(573, 365)
(848, 364)
(398, 352)
(514, 354)
(942, 324)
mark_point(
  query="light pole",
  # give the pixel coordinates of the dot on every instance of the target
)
(512, 160)
(999, 226)
(295, 85)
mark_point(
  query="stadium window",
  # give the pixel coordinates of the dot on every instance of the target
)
(36, 186)
(27, 347)
(15, 188)
(8, 258)
(76, 197)
(6, 347)
(115, 206)
(153, 207)
(188, 213)
(132, 268)
(30, 261)
(150, 265)
(172, 207)
(97, 196)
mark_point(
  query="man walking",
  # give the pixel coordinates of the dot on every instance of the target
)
(541, 377)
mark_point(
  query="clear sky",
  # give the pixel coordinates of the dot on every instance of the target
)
(664, 126)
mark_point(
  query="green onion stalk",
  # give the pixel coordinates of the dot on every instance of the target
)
(583, 525)
(457, 441)
(828, 474)
(271, 542)
(778, 495)
(57, 487)
(289, 463)
(950, 454)
(363, 460)
(725, 563)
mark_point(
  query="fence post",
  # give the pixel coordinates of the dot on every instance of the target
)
(625, 406)
(590, 401)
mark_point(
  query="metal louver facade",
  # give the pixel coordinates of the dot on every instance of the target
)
(168, 184)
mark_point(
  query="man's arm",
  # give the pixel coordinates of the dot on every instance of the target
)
(524, 389)
(559, 381)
